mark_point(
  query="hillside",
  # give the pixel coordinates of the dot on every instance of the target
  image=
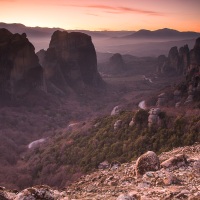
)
(81, 147)
(178, 178)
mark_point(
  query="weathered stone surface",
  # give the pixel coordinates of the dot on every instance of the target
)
(40, 192)
(193, 72)
(195, 55)
(154, 118)
(132, 122)
(147, 162)
(117, 124)
(173, 58)
(20, 70)
(116, 110)
(175, 162)
(125, 197)
(104, 165)
(170, 179)
(176, 63)
(184, 58)
(70, 61)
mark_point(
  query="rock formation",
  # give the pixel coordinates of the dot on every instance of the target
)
(154, 119)
(70, 61)
(176, 62)
(184, 58)
(161, 99)
(177, 161)
(20, 70)
(173, 59)
(116, 110)
(147, 162)
(117, 124)
(116, 64)
(193, 74)
(181, 62)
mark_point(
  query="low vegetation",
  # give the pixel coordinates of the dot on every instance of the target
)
(70, 154)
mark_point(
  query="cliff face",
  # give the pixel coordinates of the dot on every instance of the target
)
(195, 56)
(176, 62)
(184, 58)
(193, 71)
(70, 61)
(20, 70)
(185, 62)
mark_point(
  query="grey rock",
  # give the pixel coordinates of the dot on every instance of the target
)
(117, 124)
(125, 197)
(116, 110)
(147, 162)
(175, 162)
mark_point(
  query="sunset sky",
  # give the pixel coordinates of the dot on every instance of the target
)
(182, 15)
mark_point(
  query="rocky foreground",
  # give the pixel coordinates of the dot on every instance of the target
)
(171, 175)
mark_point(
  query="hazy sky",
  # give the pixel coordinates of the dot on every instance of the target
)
(104, 14)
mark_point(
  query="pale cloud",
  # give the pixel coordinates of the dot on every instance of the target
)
(119, 10)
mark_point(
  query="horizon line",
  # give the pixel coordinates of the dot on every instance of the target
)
(95, 30)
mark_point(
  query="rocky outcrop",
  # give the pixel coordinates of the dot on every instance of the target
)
(161, 99)
(160, 184)
(175, 162)
(117, 124)
(173, 59)
(154, 119)
(125, 197)
(104, 165)
(181, 182)
(116, 64)
(116, 110)
(70, 61)
(183, 62)
(34, 193)
(193, 74)
(147, 162)
(20, 70)
(184, 58)
(176, 62)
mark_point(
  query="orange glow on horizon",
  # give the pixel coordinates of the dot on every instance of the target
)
(134, 15)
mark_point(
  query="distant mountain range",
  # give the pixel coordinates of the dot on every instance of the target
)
(138, 43)
(47, 32)
(141, 34)
(162, 33)
(30, 31)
